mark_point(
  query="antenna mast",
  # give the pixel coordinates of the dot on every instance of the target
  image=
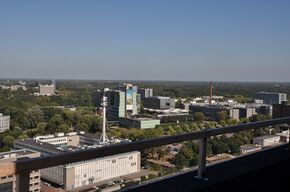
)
(104, 104)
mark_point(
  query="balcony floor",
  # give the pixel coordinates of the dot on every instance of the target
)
(254, 171)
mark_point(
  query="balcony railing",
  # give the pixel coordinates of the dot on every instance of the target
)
(22, 168)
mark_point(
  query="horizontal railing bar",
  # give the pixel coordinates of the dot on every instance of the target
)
(72, 157)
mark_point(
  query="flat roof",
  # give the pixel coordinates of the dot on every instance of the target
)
(267, 137)
(39, 144)
(250, 146)
(159, 97)
(16, 153)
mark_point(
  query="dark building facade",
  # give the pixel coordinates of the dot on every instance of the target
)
(145, 93)
(271, 98)
(281, 110)
(159, 103)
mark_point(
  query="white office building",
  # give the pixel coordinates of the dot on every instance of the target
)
(76, 176)
(4, 123)
(267, 140)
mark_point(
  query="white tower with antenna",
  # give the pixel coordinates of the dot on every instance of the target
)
(104, 138)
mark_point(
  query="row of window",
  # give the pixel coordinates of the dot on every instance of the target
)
(31, 184)
(35, 190)
(35, 177)
(6, 177)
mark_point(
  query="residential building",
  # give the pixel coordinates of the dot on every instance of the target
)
(159, 102)
(8, 182)
(16, 87)
(271, 98)
(4, 123)
(234, 113)
(47, 90)
(267, 140)
(247, 112)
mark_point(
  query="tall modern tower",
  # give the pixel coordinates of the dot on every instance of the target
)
(130, 98)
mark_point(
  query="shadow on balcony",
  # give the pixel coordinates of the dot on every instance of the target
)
(258, 171)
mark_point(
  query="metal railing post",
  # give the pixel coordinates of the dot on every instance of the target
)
(22, 182)
(202, 158)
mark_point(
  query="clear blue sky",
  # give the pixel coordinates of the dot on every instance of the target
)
(228, 40)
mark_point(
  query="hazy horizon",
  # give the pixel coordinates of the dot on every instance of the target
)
(154, 40)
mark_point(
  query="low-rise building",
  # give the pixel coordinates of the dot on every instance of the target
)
(250, 148)
(81, 174)
(219, 157)
(16, 87)
(267, 140)
(271, 98)
(284, 136)
(141, 123)
(8, 182)
(145, 93)
(159, 102)
(4, 123)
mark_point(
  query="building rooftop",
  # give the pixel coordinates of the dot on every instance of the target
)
(159, 97)
(15, 153)
(144, 119)
(264, 92)
(248, 147)
(267, 137)
(39, 144)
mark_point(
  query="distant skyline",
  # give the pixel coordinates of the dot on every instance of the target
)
(178, 40)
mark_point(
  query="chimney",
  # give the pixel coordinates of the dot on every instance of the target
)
(210, 92)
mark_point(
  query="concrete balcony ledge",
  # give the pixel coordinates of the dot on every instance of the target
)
(260, 170)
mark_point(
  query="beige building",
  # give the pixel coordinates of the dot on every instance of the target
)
(234, 114)
(8, 183)
(46, 90)
(4, 123)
